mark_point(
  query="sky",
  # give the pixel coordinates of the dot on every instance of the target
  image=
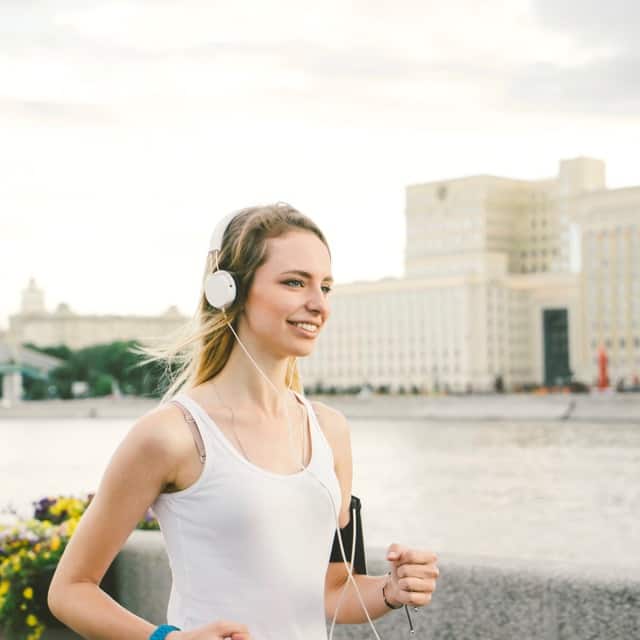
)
(127, 129)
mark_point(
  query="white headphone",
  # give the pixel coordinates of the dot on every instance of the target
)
(220, 287)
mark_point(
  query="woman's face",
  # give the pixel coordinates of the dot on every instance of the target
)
(290, 288)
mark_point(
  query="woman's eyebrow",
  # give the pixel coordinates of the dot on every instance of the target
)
(306, 274)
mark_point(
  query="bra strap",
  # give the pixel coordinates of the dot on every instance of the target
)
(194, 429)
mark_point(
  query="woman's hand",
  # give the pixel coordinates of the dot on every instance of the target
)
(219, 630)
(413, 576)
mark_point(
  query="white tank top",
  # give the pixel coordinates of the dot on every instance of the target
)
(249, 545)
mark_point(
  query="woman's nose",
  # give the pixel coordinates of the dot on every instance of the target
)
(318, 301)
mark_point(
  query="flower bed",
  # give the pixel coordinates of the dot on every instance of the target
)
(29, 553)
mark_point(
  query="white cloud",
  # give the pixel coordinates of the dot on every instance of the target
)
(601, 76)
(128, 128)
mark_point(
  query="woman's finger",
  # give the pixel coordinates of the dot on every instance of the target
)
(418, 571)
(227, 628)
(417, 585)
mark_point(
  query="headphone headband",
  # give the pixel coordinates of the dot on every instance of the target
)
(215, 244)
(220, 286)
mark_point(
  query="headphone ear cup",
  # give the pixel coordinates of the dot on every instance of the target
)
(220, 289)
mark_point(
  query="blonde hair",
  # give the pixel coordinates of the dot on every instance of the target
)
(201, 348)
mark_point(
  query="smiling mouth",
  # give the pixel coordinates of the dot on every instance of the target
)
(308, 327)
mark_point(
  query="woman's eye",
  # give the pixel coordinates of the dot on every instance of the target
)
(299, 283)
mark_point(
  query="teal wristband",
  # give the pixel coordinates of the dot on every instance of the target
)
(162, 632)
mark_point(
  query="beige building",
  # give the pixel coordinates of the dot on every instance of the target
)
(520, 280)
(34, 324)
(610, 233)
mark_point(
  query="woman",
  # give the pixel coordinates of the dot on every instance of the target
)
(248, 479)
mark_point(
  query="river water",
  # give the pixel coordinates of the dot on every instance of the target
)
(539, 491)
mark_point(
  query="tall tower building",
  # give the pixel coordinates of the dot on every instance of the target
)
(32, 299)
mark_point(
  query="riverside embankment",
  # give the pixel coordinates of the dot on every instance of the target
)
(598, 407)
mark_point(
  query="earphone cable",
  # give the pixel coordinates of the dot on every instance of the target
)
(339, 602)
(303, 468)
(273, 386)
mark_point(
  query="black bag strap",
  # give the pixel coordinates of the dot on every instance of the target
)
(346, 534)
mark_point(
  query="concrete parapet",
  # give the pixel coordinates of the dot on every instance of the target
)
(477, 598)
(142, 577)
(486, 598)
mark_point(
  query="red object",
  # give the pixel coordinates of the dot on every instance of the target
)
(603, 378)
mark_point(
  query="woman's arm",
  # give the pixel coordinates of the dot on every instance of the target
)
(351, 611)
(336, 428)
(140, 468)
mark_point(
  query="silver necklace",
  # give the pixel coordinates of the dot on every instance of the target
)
(235, 434)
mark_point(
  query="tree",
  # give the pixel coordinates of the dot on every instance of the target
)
(102, 365)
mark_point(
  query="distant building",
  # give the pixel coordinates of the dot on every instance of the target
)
(33, 324)
(506, 281)
(610, 238)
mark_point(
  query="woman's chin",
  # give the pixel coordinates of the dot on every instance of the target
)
(301, 350)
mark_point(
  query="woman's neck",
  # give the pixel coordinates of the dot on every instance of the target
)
(241, 383)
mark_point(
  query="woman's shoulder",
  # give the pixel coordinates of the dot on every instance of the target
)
(336, 430)
(332, 421)
(162, 428)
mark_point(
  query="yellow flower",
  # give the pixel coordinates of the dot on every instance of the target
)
(4, 587)
(37, 547)
(31, 620)
(67, 528)
(23, 607)
(28, 593)
(57, 508)
(55, 543)
(76, 508)
(72, 524)
(73, 506)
